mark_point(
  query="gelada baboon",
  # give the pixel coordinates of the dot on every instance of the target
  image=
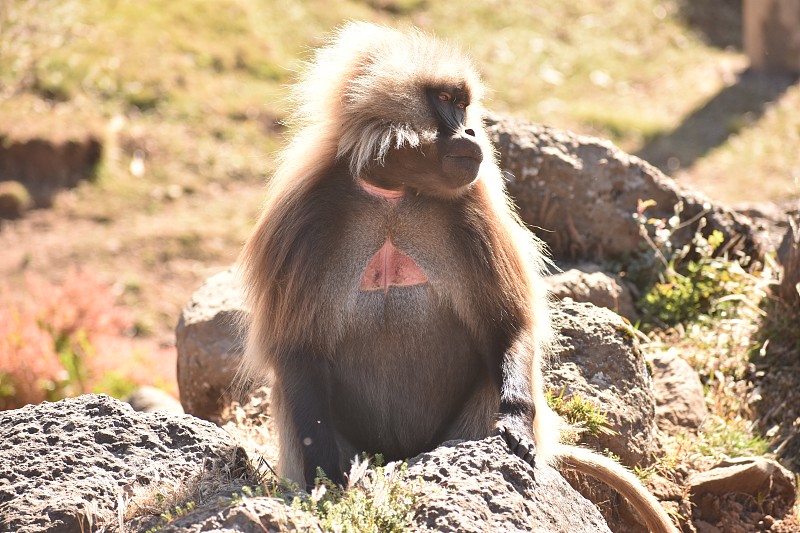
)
(395, 296)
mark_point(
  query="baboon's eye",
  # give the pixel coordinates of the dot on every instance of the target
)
(445, 96)
(461, 104)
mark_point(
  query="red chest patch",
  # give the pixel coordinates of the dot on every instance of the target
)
(390, 267)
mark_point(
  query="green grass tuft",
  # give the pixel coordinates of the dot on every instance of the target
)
(581, 414)
(378, 499)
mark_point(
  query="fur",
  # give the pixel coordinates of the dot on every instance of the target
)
(397, 373)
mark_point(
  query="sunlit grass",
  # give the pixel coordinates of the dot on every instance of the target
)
(627, 70)
(761, 161)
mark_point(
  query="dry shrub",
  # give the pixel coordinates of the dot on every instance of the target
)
(69, 339)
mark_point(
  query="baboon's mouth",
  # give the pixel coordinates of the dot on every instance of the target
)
(458, 157)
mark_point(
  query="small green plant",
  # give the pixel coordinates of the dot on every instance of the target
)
(694, 280)
(177, 512)
(581, 415)
(730, 438)
(377, 499)
(171, 513)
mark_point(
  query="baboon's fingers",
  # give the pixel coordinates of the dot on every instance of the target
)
(519, 446)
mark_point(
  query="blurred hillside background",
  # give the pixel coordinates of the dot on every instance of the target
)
(173, 112)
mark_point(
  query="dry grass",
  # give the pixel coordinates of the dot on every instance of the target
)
(157, 504)
(754, 164)
(253, 429)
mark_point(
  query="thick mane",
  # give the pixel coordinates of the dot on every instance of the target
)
(362, 95)
(519, 256)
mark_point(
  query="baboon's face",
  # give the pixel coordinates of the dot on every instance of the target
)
(444, 167)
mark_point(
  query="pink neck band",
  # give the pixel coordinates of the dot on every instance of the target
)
(386, 194)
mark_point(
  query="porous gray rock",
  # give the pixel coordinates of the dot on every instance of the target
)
(479, 486)
(209, 344)
(466, 486)
(235, 515)
(598, 356)
(80, 464)
(579, 194)
(72, 466)
(680, 400)
(588, 283)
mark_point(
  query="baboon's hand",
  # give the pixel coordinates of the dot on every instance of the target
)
(519, 445)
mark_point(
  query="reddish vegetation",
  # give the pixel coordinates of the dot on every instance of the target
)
(70, 339)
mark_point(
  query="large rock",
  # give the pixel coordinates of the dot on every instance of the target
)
(209, 346)
(680, 400)
(479, 486)
(74, 465)
(741, 491)
(588, 283)
(579, 194)
(92, 463)
(598, 356)
(466, 486)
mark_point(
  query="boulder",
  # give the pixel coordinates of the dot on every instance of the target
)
(598, 356)
(741, 491)
(579, 194)
(479, 486)
(78, 464)
(209, 344)
(92, 463)
(680, 400)
(588, 283)
(151, 399)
